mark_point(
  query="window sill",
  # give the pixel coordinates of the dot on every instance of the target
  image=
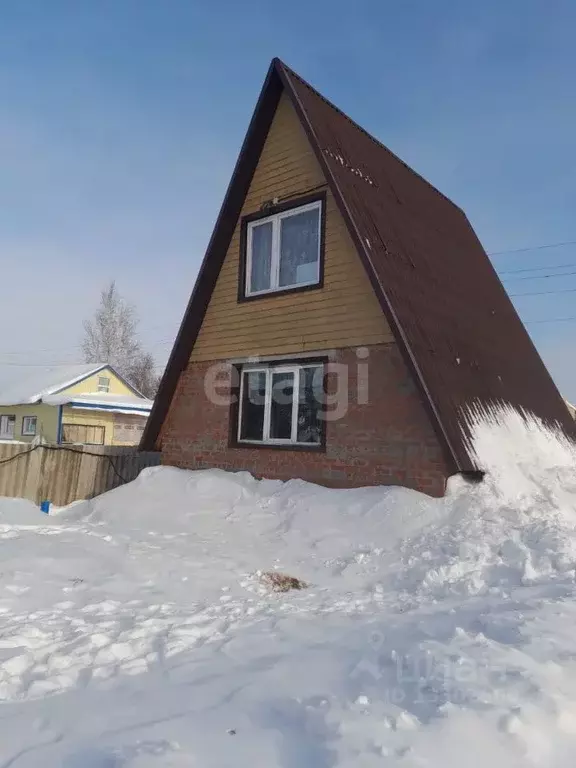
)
(310, 448)
(280, 292)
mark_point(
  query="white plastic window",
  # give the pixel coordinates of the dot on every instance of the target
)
(29, 425)
(283, 250)
(281, 405)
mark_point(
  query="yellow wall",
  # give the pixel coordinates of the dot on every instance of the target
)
(46, 426)
(90, 385)
(47, 415)
(344, 312)
(94, 419)
(104, 419)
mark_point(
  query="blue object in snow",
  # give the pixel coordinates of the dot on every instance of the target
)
(45, 507)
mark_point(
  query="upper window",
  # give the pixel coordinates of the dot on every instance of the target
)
(281, 405)
(283, 250)
(29, 425)
(103, 384)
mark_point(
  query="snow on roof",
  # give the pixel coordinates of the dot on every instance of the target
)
(24, 385)
(117, 403)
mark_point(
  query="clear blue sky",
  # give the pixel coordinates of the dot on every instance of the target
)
(120, 121)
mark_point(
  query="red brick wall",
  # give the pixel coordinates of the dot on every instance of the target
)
(387, 441)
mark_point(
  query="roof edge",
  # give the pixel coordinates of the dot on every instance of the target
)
(291, 72)
(59, 387)
(97, 368)
(230, 209)
(385, 304)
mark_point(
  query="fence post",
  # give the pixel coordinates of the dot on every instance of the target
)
(46, 476)
(33, 479)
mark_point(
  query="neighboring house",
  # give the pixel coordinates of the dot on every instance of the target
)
(329, 250)
(88, 404)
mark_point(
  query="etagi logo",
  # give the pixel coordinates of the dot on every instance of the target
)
(434, 679)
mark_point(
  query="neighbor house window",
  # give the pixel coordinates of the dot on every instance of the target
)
(103, 384)
(281, 405)
(7, 424)
(29, 426)
(283, 250)
(124, 433)
(82, 433)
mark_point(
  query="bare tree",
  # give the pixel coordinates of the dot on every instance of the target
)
(111, 337)
(143, 375)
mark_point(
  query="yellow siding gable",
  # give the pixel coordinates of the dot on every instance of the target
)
(343, 313)
(89, 386)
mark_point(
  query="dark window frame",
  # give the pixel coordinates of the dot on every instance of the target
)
(272, 210)
(29, 434)
(235, 405)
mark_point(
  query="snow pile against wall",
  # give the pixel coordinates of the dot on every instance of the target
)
(136, 630)
(517, 528)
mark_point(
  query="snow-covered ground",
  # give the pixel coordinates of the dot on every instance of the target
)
(135, 629)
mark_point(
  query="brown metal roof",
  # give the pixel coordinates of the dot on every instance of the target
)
(451, 316)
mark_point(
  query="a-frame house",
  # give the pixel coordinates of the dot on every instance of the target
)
(345, 320)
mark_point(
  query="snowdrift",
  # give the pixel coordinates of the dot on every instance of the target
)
(137, 630)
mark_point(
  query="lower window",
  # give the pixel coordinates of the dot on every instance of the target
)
(7, 424)
(281, 404)
(29, 426)
(82, 433)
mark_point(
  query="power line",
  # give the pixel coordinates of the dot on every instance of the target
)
(532, 248)
(535, 269)
(551, 320)
(493, 253)
(66, 449)
(51, 363)
(542, 293)
(538, 277)
(74, 346)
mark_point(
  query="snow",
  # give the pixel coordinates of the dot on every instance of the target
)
(137, 629)
(18, 387)
(116, 403)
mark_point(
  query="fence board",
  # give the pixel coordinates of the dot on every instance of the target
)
(65, 474)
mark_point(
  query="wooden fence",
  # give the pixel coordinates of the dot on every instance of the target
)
(62, 474)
